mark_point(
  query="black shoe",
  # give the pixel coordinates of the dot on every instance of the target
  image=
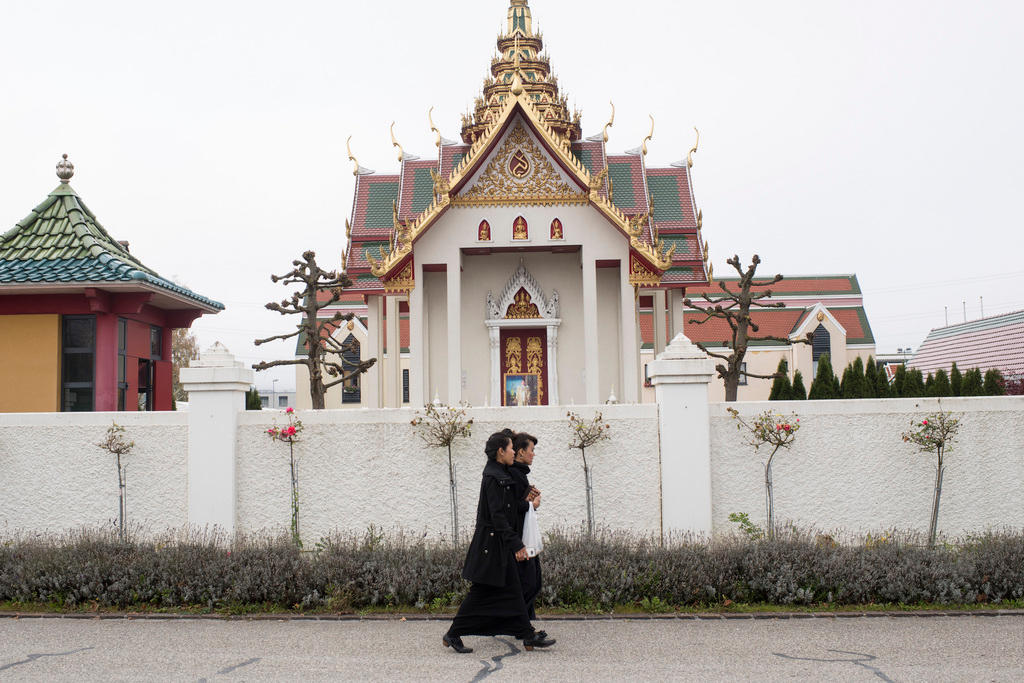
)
(538, 639)
(455, 643)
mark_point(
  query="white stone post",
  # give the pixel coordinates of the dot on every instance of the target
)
(680, 377)
(216, 386)
(590, 331)
(453, 323)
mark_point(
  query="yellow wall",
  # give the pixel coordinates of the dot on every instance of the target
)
(29, 363)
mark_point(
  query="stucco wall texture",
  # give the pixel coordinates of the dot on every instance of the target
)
(849, 469)
(362, 468)
(54, 478)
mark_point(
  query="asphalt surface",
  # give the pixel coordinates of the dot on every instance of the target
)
(911, 648)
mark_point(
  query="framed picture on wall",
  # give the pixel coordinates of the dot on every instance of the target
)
(520, 389)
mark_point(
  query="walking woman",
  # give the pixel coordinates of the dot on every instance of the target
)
(495, 604)
(526, 495)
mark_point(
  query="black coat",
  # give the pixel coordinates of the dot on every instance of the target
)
(520, 487)
(495, 541)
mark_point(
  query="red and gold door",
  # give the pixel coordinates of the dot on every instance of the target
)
(524, 363)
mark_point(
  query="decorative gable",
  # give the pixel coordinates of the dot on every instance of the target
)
(520, 172)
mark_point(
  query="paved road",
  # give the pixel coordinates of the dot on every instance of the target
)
(857, 649)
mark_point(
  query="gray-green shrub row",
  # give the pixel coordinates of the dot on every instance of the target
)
(92, 568)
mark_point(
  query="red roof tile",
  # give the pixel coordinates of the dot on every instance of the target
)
(830, 285)
(417, 188)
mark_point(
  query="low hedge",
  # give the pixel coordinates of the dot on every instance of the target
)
(354, 572)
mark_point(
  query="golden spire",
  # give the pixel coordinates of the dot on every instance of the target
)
(355, 164)
(519, 18)
(650, 135)
(611, 122)
(433, 128)
(689, 157)
(394, 143)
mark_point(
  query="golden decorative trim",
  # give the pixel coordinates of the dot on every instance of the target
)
(522, 308)
(517, 170)
(513, 355)
(403, 282)
(640, 275)
(535, 364)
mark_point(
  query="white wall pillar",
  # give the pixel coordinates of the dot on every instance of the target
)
(454, 328)
(675, 313)
(630, 345)
(216, 386)
(660, 336)
(680, 376)
(417, 339)
(393, 368)
(373, 386)
(590, 330)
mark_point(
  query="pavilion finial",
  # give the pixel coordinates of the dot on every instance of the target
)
(65, 169)
(394, 143)
(648, 138)
(611, 122)
(689, 157)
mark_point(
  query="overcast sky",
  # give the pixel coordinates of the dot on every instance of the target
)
(879, 138)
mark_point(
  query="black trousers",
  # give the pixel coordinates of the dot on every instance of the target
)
(529, 579)
(494, 611)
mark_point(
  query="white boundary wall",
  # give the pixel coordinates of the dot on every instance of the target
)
(848, 470)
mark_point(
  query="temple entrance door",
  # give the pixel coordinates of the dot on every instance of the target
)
(524, 363)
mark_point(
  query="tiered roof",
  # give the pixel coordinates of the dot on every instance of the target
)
(60, 243)
(653, 207)
(995, 342)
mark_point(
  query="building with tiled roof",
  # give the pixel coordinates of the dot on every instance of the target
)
(830, 306)
(995, 342)
(84, 324)
(519, 250)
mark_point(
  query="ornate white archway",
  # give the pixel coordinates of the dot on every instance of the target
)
(546, 315)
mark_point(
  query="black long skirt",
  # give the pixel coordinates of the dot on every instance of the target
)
(529, 579)
(494, 611)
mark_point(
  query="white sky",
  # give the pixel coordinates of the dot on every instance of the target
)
(876, 137)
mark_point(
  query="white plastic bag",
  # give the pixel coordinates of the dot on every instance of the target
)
(531, 533)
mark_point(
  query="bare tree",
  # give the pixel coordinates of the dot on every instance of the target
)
(935, 434)
(117, 445)
(441, 425)
(184, 348)
(325, 354)
(733, 306)
(584, 435)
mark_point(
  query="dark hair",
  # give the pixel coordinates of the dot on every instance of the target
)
(496, 442)
(523, 441)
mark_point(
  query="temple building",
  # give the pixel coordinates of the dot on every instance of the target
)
(830, 306)
(84, 325)
(510, 266)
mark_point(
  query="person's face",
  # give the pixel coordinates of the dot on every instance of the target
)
(506, 456)
(525, 455)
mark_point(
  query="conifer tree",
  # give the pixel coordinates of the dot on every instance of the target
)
(929, 385)
(994, 383)
(824, 385)
(896, 388)
(973, 385)
(882, 387)
(941, 387)
(782, 390)
(956, 380)
(846, 384)
(799, 390)
(870, 378)
(913, 385)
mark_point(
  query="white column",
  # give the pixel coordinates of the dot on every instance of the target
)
(373, 386)
(659, 321)
(417, 339)
(454, 327)
(495, 338)
(590, 330)
(630, 346)
(216, 386)
(553, 365)
(680, 376)
(393, 369)
(675, 312)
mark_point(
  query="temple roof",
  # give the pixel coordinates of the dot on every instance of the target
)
(778, 322)
(61, 242)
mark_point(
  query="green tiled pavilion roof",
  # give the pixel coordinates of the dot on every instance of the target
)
(61, 241)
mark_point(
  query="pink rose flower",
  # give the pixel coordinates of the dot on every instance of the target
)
(290, 411)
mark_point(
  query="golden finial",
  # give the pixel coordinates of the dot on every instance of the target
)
(649, 136)
(689, 157)
(433, 128)
(394, 142)
(348, 229)
(700, 218)
(355, 164)
(611, 122)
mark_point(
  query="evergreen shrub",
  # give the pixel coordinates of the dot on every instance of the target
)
(358, 571)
